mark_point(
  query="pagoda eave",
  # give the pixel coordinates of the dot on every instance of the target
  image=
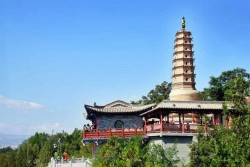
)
(183, 31)
(183, 38)
(175, 67)
(184, 74)
(184, 58)
(183, 44)
(184, 51)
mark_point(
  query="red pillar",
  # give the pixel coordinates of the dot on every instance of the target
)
(179, 118)
(97, 132)
(183, 125)
(213, 119)
(205, 126)
(227, 120)
(123, 132)
(172, 118)
(83, 133)
(110, 132)
(193, 121)
(96, 123)
(161, 121)
(145, 125)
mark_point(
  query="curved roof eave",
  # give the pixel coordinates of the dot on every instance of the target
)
(189, 105)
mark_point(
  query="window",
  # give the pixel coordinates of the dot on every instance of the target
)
(119, 124)
(185, 41)
(186, 55)
(186, 79)
(186, 71)
(186, 63)
(186, 48)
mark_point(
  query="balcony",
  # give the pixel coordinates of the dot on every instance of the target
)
(152, 129)
(107, 133)
(176, 128)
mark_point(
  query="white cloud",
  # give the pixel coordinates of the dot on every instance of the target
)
(19, 104)
(24, 129)
(48, 128)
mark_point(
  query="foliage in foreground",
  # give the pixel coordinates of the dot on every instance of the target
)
(135, 153)
(39, 148)
(227, 147)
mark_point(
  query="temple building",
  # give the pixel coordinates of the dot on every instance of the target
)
(114, 119)
(174, 119)
(118, 114)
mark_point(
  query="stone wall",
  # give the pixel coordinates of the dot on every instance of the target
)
(182, 143)
(130, 121)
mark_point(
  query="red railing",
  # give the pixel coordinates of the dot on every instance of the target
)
(106, 133)
(153, 128)
(176, 128)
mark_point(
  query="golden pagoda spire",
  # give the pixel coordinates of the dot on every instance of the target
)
(183, 23)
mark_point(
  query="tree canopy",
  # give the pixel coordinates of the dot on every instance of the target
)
(156, 95)
(39, 148)
(135, 152)
(219, 85)
(227, 147)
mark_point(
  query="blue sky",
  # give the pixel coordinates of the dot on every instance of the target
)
(56, 56)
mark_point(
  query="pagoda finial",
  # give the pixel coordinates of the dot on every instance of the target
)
(183, 23)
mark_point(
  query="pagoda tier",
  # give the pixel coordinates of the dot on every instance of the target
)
(183, 78)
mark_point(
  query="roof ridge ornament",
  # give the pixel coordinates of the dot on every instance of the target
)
(183, 23)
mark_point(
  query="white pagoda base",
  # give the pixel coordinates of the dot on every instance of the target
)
(184, 95)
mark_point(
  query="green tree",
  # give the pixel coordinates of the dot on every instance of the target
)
(73, 144)
(159, 157)
(32, 154)
(160, 93)
(227, 147)
(44, 155)
(87, 150)
(218, 85)
(238, 90)
(21, 155)
(134, 152)
(7, 157)
(6, 150)
(38, 149)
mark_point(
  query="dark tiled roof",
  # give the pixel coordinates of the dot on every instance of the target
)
(189, 105)
(119, 107)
